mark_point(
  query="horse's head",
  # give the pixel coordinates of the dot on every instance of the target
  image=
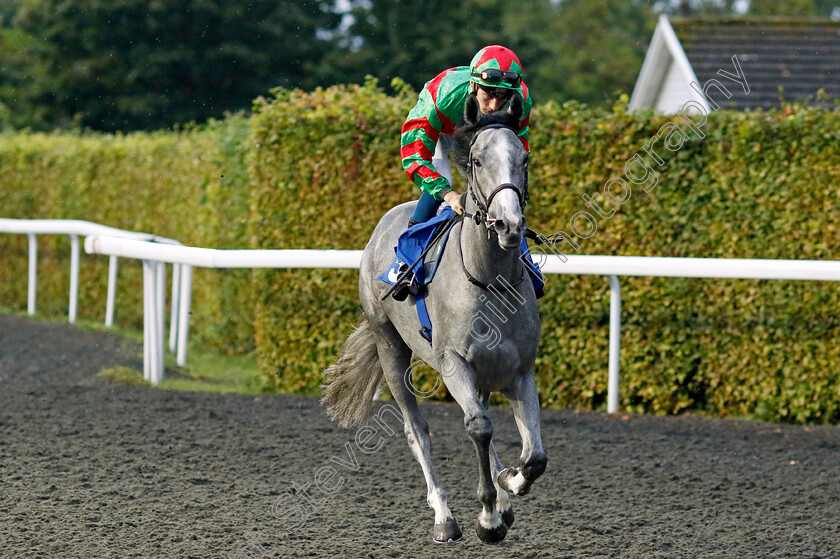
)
(494, 163)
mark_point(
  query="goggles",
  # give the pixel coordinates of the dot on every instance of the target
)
(491, 76)
(498, 92)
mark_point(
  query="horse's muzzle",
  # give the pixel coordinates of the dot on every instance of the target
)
(510, 231)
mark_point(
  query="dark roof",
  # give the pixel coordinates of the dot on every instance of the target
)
(799, 55)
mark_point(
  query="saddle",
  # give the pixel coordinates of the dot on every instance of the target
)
(413, 242)
(433, 235)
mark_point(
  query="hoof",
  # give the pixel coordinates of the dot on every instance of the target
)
(512, 481)
(447, 531)
(490, 535)
(507, 516)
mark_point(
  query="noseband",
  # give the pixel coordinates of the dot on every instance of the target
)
(483, 213)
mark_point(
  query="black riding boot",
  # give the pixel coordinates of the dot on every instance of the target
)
(405, 286)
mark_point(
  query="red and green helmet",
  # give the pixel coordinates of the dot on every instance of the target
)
(496, 66)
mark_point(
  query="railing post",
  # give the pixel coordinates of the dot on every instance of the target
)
(615, 344)
(112, 290)
(175, 310)
(160, 303)
(152, 334)
(74, 277)
(148, 284)
(184, 319)
(33, 273)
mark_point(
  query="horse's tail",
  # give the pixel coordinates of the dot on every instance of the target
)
(350, 385)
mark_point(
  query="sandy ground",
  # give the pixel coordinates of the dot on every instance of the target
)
(89, 469)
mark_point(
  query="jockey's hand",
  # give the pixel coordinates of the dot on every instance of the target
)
(454, 200)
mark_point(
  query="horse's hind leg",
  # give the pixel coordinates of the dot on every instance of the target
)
(395, 357)
(525, 403)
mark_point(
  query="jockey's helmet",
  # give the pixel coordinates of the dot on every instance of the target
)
(496, 67)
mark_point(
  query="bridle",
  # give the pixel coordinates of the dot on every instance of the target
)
(483, 212)
(482, 215)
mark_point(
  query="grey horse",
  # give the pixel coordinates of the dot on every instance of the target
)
(486, 325)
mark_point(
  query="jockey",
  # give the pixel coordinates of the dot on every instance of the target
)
(493, 76)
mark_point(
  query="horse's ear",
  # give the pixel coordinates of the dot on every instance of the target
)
(472, 111)
(516, 107)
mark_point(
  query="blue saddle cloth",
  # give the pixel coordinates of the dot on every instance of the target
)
(411, 244)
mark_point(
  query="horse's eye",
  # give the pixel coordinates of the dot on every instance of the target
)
(476, 162)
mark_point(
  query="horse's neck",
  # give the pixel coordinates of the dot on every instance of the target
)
(484, 259)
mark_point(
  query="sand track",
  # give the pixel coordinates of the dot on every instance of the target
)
(91, 470)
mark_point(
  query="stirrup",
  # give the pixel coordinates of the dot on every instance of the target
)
(402, 290)
(408, 286)
(400, 293)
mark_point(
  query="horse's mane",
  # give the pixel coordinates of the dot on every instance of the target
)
(465, 133)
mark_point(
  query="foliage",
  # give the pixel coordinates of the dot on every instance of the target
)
(397, 39)
(343, 142)
(322, 167)
(584, 50)
(141, 65)
(596, 49)
(21, 71)
(188, 185)
(782, 7)
(759, 186)
(135, 64)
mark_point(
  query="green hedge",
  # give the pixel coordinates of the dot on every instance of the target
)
(189, 185)
(324, 168)
(761, 185)
(317, 170)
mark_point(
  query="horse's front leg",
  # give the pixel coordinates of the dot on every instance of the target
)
(503, 504)
(490, 526)
(525, 403)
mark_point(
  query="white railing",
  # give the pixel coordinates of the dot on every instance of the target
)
(653, 266)
(154, 258)
(74, 228)
(610, 266)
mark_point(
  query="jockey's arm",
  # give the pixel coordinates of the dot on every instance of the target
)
(420, 134)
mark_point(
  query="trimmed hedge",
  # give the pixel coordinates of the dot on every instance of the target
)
(317, 170)
(190, 185)
(324, 168)
(760, 185)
